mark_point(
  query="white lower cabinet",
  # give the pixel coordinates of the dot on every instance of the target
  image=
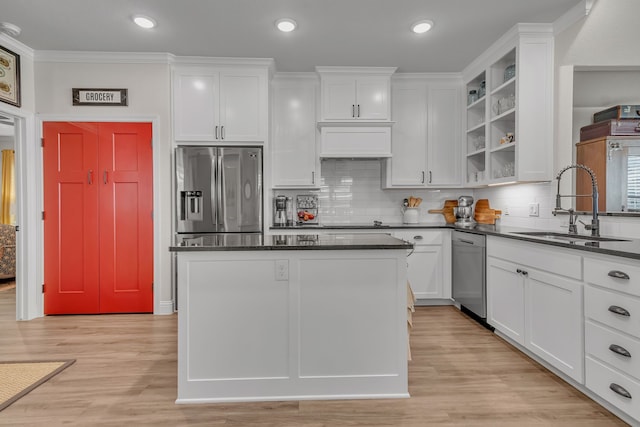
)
(537, 309)
(553, 315)
(429, 264)
(505, 299)
(612, 334)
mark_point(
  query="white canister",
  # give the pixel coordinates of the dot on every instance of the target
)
(410, 216)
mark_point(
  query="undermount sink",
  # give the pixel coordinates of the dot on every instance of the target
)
(568, 237)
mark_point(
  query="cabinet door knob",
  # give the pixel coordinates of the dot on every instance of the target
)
(619, 350)
(617, 274)
(619, 311)
(620, 390)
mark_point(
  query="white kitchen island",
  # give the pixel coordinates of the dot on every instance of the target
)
(292, 317)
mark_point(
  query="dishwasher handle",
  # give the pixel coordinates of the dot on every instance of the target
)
(468, 242)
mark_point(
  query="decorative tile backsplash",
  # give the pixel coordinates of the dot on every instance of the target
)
(351, 193)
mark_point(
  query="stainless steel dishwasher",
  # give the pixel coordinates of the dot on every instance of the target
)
(469, 273)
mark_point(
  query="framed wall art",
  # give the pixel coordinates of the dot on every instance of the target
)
(9, 77)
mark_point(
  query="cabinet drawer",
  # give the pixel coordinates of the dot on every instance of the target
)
(613, 273)
(420, 237)
(601, 305)
(543, 257)
(600, 380)
(610, 346)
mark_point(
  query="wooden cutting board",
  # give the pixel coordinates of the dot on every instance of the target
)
(484, 214)
(447, 211)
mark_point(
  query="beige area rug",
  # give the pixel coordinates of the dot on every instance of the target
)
(5, 286)
(19, 378)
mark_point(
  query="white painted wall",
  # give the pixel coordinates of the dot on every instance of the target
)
(149, 99)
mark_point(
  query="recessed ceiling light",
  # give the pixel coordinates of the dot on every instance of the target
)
(144, 21)
(286, 25)
(9, 29)
(422, 26)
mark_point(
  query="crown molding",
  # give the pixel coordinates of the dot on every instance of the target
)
(103, 57)
(230, 61)
(14, 45)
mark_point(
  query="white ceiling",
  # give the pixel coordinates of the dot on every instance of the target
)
(331, 32)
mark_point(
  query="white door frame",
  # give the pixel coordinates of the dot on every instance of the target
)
(26, 238)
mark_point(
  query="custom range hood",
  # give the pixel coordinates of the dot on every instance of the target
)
(346, 140)
(355, 112)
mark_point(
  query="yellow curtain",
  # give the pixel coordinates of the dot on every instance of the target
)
(8, 196)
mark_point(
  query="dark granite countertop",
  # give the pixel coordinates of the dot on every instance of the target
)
(307, 241)
(629, 248)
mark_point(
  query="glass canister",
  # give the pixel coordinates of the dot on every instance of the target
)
(472, 97)
(510, 72)
(483, 89)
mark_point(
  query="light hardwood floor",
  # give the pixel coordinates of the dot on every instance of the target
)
(125, 375)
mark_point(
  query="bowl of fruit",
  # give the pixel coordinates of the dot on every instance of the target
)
(305, 216)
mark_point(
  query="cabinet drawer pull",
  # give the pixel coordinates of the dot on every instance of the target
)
(620, 390)
(418, 237)
(221, 132)
(619, 311)
(617, 274)
(353, 110)
(358, 110)
(619, 350)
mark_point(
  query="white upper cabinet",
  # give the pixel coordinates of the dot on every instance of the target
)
(509, 113)
(218, 103)
(295, 162)
(443, 136)
(426, 143)
(355, 93)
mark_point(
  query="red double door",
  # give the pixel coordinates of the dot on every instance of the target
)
(98, 226)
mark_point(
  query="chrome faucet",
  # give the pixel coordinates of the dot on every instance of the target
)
(595, 222)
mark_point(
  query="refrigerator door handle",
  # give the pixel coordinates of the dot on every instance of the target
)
(214, 187)
(220, 190)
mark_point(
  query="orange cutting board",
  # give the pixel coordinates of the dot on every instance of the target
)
(447, 211)
(483, 214)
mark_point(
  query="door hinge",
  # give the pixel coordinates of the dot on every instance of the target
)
(43, 288)
(43, 215)
(151, 143)
(42, 142)
(151, 215)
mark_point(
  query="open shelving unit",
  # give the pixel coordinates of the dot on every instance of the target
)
(509, 130)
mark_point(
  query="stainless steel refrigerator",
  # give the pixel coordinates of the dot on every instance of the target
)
(219, 190)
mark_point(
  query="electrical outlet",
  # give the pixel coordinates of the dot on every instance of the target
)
(506, 210)
(282, 269)
(534, 209)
